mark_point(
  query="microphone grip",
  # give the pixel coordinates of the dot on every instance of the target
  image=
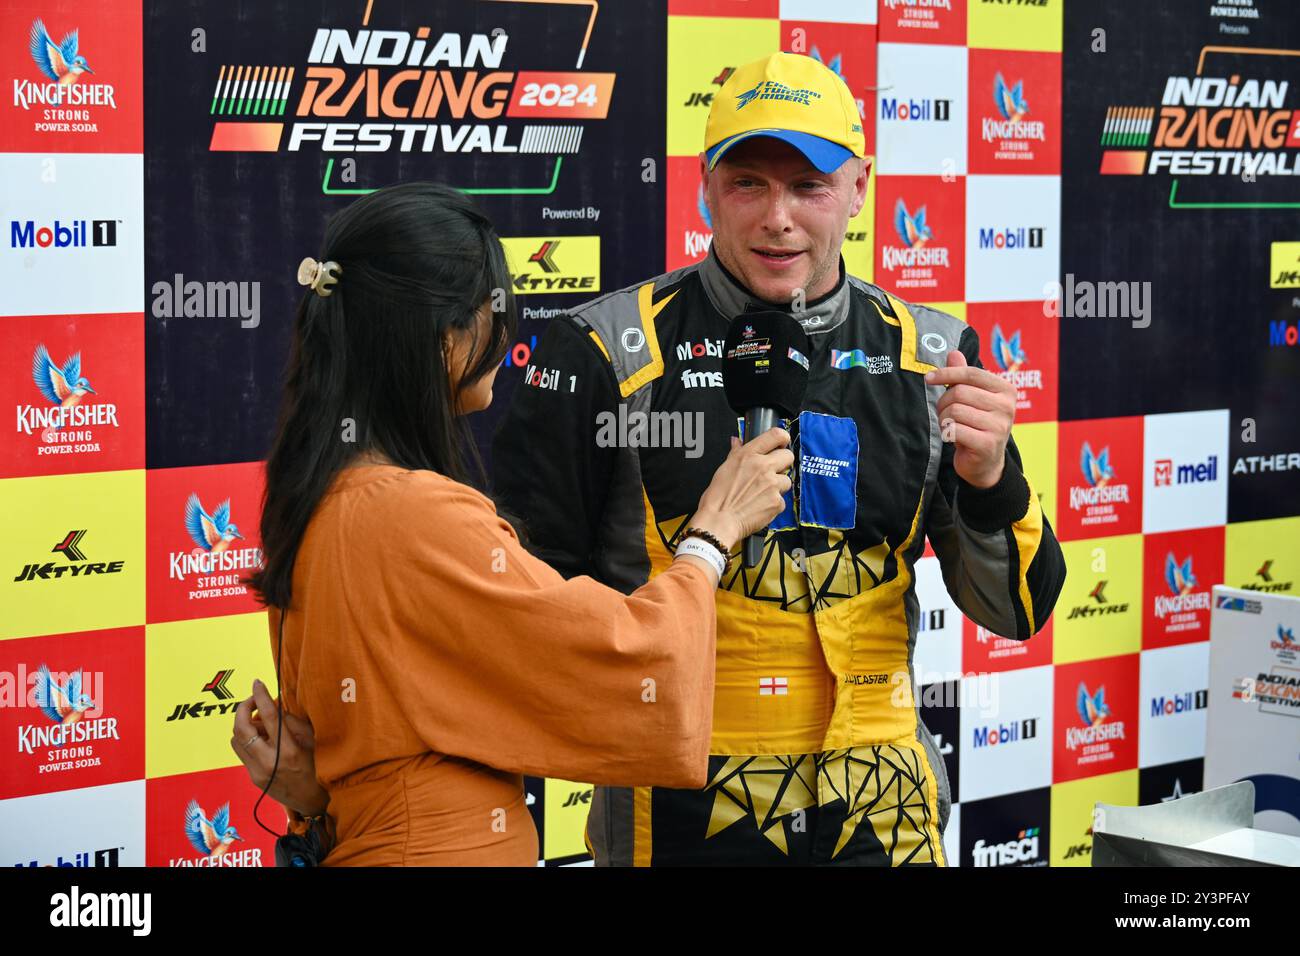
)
(757, 421)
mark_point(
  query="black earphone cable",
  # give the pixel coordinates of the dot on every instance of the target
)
(279, 732)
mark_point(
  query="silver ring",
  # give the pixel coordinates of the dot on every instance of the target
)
(248, 743)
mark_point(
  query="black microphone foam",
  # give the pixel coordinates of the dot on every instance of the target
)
(765, 362)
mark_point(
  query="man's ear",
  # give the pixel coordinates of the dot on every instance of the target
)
(860, 187)
(704, 181)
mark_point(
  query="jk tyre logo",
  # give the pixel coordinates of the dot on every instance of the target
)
(70, 548)
(554, 264)
(544, 257)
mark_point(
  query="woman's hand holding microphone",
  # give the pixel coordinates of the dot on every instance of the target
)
(743, 497)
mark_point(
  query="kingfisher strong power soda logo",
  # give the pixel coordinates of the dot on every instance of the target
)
(1100, 474)
(203, 540)
(71, 710)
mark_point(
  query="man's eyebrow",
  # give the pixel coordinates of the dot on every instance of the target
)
(808, 172)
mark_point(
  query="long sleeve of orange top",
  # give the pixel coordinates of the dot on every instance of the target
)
(462, 643)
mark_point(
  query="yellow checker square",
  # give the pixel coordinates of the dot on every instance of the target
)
(196, 673)
(859, 238)
(564, 819)
(702, 53)
(1032, 25)
(1072, 817)
(1263, 556)
(1037, 444)
(1284, 265)
(74, 553)
(1099, 612)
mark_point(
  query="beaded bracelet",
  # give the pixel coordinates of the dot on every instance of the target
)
(711, 538)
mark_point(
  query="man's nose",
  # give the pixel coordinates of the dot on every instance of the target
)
(776, 217)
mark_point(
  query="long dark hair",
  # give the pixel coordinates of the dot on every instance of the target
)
(415, 261)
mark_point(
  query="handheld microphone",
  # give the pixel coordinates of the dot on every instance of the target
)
(764, 375)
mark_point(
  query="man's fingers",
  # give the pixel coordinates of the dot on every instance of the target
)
(266, 708)
(957, 359)
(967, 375)
(975, 418)
(964, 436)
(972, 396)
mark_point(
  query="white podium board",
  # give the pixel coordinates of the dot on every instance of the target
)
(1252, 727)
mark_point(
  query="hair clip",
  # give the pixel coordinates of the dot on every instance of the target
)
(321, 276)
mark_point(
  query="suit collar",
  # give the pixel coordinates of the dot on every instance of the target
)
(731, 298)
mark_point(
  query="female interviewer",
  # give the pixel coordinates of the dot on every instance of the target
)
(434, 660)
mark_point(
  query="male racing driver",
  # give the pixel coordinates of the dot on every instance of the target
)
(818, 752)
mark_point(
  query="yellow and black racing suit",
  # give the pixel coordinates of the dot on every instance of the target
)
(819, 755)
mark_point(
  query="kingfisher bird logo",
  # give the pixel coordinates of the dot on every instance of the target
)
(1007, 352)
(1096, 469)
(214, 837)
(62, 67)
(214, 535)
(1010, 100)
(1093, 708)
(61, 62)
(1008, 131)
(913, 251)
(911, 228)
(1182, 583)
(1094, 718)
(1009, 356)
(65, 390)
(64, 386)
(63, 700)
(61, 703)
(1178, 576)
(212, 532)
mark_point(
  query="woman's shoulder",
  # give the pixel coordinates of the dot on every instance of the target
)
(410, 495)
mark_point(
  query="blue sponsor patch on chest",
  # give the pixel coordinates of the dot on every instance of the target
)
(828, 471)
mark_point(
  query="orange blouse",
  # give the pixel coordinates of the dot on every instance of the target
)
(438, 662)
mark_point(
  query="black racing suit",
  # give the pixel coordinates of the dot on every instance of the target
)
(818, 751)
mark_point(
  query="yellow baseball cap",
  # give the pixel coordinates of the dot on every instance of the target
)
(789, 97)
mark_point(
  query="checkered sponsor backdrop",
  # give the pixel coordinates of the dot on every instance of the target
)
(1102, 193)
